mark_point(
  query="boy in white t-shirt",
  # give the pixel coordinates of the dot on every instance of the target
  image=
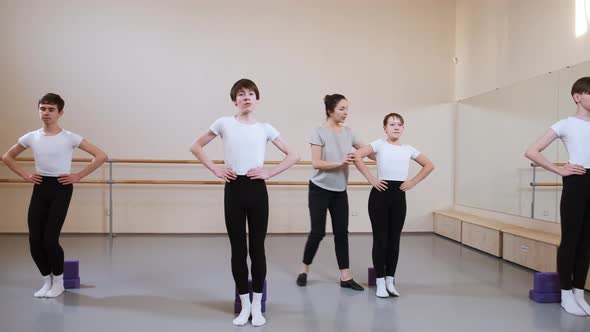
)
(246, 198)
(387, 201)
(53, 186)
(573, 255)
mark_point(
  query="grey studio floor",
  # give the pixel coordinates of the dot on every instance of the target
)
(183, 283)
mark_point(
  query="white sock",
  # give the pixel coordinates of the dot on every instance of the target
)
(569, 304)
(257, 318)
(46, 286)
(245, 313)
(579, 297)
(381, 290)
(58, 286)
(390, 287)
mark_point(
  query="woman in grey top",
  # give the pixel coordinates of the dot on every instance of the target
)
(331, 154)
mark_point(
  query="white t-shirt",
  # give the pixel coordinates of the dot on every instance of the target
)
(53, 154)
(244, 145)
(575, 135)
(393, 161)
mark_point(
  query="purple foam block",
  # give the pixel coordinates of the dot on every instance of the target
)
(237, 298)
(545, 297)
(546, 282)
(72, 283)
(71, 269)
(372, 277)
(238, 306)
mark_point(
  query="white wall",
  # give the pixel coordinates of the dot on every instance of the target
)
(501, 42)
(142, 79)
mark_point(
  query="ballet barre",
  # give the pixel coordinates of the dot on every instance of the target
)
(110, 182)
(174, 161)
(546, 184)
(180, 182)
(535, 184)
(83, 181)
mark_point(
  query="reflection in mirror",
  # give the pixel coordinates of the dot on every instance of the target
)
(492, 133)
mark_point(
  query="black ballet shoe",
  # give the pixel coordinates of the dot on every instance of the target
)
(302, 279)
(351, 284)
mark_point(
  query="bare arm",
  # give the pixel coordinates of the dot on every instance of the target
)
(370, 156)
(534, 154)
(427, 168)
(291, 157)
(99, 158)
(226, 174)
(361, 153)
(9, 158)
(318, 163)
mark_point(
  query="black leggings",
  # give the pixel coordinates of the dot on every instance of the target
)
(47, 212)
(573, 256)
(320, 200)
(387, 210)
(247, 199)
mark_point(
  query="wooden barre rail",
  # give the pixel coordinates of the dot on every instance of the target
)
(110, 182)
(556, 164)
(546, 184)
(174, 161)
(84, 181)
(176, 182)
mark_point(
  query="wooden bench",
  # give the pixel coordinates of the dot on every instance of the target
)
(483, 234)
(479, 233)
(531, 248)
(447, 223)
(534, 249)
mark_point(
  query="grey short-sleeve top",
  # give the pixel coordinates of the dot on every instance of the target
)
(335, 146)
